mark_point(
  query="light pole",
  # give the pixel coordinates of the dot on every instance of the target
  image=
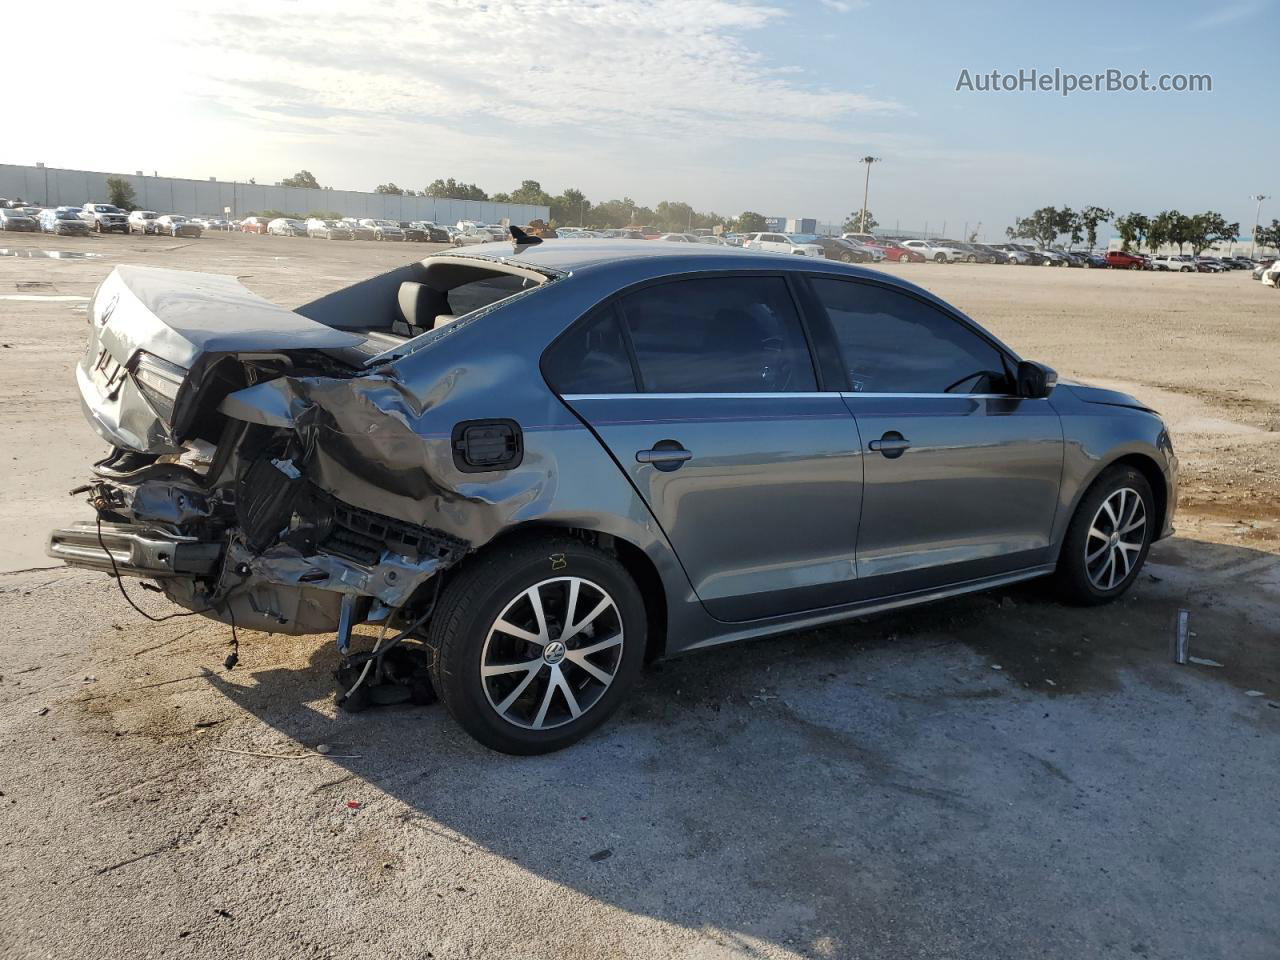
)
(1257, 221)
(866, 188)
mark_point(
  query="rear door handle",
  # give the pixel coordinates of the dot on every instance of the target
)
(665, 455)
(892, 445)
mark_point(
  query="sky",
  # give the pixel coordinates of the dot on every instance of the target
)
(730, 105)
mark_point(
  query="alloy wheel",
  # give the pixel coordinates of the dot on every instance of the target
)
(1116, 538)
(551, 653)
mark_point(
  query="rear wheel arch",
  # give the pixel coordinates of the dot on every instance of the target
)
(637, 563)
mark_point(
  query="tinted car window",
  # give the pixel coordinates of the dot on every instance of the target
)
(894, 343)
(719, 335)
(590, 358)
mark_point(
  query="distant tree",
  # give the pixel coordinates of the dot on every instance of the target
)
(1068, 222)
(1177, 228)
(1132, 228)
(390, 188)
(1268, 236)
(303, 178)
(570, 207)
(454, 190)
(749, 222)
(855, 223)
(1159, 230)
(322, 215)
(1090, 217)
(501, 198)
(1206, 229)
(120, 193)
(530, 191)
(674, 216)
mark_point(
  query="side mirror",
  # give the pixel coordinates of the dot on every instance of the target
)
(1035, 380)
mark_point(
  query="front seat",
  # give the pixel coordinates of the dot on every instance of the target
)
(422, 308)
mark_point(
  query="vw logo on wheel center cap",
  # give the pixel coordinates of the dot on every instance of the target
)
(553, 652)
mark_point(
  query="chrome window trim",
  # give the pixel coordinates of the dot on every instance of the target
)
(809, 395)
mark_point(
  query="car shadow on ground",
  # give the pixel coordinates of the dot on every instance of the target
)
(994, 773)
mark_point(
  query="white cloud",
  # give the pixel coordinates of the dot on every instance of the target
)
(624, 68)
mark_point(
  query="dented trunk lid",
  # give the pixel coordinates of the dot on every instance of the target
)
(178, 321)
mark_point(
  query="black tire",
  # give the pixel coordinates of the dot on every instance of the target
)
(478, 595)
(1075, 583)
(940, 258)
(846, 258)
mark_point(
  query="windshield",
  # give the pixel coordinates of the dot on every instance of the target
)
(65, 215)
(176, 219)
(106, 208)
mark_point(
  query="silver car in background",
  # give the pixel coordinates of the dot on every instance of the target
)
(176, 225)
(550, 462)
(64, 221)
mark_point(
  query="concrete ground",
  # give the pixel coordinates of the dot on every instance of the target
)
(995, 776)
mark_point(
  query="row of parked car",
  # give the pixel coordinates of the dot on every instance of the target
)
(347, 228)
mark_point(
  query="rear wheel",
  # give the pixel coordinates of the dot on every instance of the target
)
(1108, 539)
(536, 643)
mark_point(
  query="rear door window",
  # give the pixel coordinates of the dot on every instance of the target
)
(718, 335)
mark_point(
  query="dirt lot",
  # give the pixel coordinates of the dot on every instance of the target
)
(995, 776)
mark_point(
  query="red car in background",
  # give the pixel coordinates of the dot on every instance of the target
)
(891, 249)
(254, 225)
(1121, 260)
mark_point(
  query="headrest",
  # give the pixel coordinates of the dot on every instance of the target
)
(413, 300)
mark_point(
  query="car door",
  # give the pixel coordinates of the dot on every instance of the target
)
(704, 391)
(960, 475)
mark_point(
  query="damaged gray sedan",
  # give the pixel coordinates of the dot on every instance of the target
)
(548, 462)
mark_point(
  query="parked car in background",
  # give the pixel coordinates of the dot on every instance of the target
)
(1262, 266)
(470, 234)
(1123, 260)
(107, 218)
(434, 232)
(215, 223)
(143, 221)
(175, 225)
(16, 221)
(997, 256)
(383, 229)
(734, 239)
(410, 232)
(1095, 261)
(254, 225)
(1051, 258)
(1172, 263)
(328, 229)
(679, 237)
(846, 251)
(975, 252)
(936, 251)
(782, 243)
(1270, 275)
(884, 449)
(286, 227)
(1015, 253)
(713, 240)
(1213, 264)
(358, 229)
(65, 222)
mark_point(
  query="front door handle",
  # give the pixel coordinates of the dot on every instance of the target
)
(665, 455)
(892, 445)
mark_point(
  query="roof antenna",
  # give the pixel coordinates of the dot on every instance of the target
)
(522, 239)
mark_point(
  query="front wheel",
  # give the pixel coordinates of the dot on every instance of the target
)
(940, 258)
(904, 258)
(1108, 539)
(535, 643)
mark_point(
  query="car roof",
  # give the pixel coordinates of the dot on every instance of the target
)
(637, 262)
